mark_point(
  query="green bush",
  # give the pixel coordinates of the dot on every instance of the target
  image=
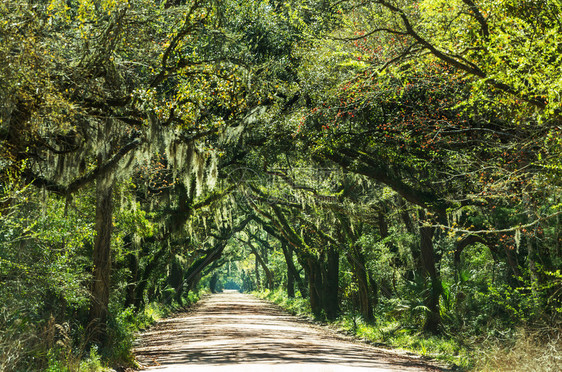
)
(295, 306)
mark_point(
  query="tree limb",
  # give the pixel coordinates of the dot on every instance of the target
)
(89, 177)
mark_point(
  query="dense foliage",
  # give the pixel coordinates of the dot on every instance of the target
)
(394, 164)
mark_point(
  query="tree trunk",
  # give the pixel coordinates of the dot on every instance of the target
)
(101, 259)
(331, 298)
(193, 273)
(288, 253)
(415, 252)
(357, 262)
(261, 262)
(558, 237)
(433, 319)
(374, 290)
(213, 283)
(315, 286)
(133, 265)
(290, 284)
(257, 269)
(175, 280)
(386, 286)
(146, 273)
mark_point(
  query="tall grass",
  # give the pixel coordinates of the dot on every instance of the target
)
(526, 349)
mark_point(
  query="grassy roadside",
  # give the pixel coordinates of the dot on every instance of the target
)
(382, 333)
(71, 353)
(144, 320)
(520, 350)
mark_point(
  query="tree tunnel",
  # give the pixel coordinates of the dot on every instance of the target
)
(329, 150)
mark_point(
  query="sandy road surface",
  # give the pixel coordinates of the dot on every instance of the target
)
(238, 332)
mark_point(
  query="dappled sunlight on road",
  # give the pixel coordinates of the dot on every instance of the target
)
(237, 332)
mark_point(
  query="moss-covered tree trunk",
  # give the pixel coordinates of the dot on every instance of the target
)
(290, 284)
(175, 280)
(331, 298)
(101, 259)
(315, 286)
(357, 261)
(288, 253)
(146, 273)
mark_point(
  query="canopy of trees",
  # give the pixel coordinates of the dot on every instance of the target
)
(386, 157)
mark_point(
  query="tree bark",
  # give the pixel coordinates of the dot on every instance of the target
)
(192, 273)
(257, 270)
(433, 319)
(175, 279)
(357, 262)
(146, 273)
(261, 262)
(288, 253)
(414, 251)
(213, 283)
(290, 284)
(315, 286)
(331, 298)
(101, 259)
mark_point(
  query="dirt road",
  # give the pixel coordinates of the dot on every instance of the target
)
(238, 332)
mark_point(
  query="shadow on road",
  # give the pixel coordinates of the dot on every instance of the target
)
(231, 329)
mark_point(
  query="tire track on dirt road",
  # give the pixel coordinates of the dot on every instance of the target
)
(237, 332)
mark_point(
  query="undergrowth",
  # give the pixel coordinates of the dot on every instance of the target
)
(125, 327)
(296, 306)
(65, 347)
(523, 349)
(526, 350)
